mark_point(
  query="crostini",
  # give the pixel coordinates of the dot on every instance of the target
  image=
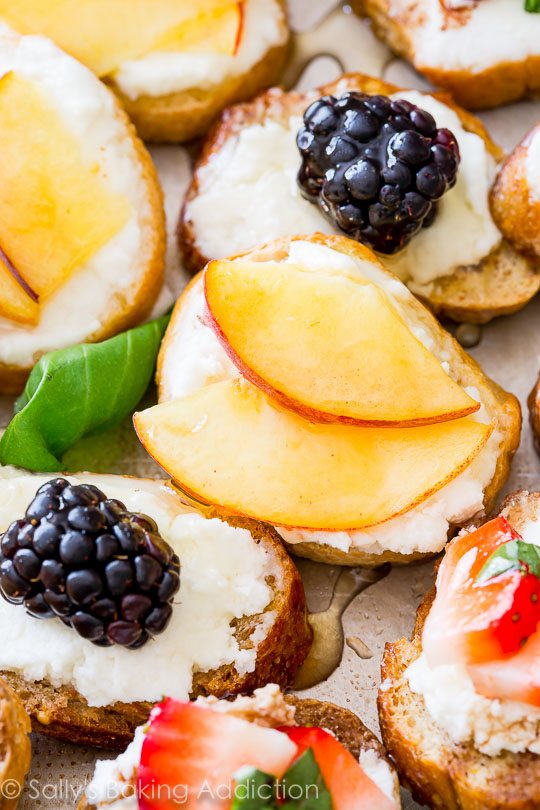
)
(515, 197)
(277, 427)
(82, 235)
(15, 747)
(252, 748)
(174, 65)
(459, 703)
(485, 52)
(364, 151)
(169, 602)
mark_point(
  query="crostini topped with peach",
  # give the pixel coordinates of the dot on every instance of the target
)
(303, 385)
(175, 64)
(82, 233)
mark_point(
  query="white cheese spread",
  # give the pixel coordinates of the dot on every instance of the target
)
(162, 72)
(490, 33)
(491, 725)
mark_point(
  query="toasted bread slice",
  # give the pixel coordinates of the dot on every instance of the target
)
(503, 282)
(178, 354)
(117, 288)
(344, 724)
(188, 114)
(533, 403)
(440, 773)
(496, 80)
(14, 745)
(515, 198)
(282, 640)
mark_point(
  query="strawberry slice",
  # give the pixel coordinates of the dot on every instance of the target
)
(514, 678)
(350, 787)
(190, 754)
(488, 598)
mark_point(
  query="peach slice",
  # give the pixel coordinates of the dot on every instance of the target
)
(329, 346)
(215, 31)
(55, 211)
(229, 445)
(104, 33)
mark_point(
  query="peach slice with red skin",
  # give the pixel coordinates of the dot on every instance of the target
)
(56, 211)
(102, 34)
(331, 347)
(218, 31)
(229, 445)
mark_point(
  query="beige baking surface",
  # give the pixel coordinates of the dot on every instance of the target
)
(509, 353)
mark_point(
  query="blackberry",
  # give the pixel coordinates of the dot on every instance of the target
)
(376, 166)
(85, 559)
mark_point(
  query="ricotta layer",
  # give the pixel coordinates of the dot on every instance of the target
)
(89, 110)
(113, 782)
(164, 72)
(194, 358)
(256, 170)
(223, 577)
(532, 165)
(486, 33)
(490, 725)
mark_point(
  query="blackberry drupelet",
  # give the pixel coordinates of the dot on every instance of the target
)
(85, 559)
(376, 166)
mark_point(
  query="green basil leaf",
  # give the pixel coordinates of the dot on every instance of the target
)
(74, 392)
(303, 786)
(254, 790)
(509, 556)
(532, 6)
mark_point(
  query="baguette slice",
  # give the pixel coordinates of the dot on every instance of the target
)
(503, 282)
(514, 204)
(188, 114)
(500, 405)
(344, 724)
(440, 773)
(499, 83)
(110, 140)
(14, 746)
(286, 638)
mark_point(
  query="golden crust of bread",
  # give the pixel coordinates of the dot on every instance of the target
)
(533, 403)
(440, 773)
(183, 116)
(128, 309)
(514, 209)
(63, 713)
(15, 750)
(502, 283)
(503, 407)
(346, 726)
(492, 87)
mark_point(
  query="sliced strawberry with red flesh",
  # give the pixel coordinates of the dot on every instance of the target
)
(190, 754)
(475, 619)
(514, 678)
(350, 787)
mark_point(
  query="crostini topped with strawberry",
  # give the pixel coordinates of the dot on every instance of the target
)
(483, 626)
(251, 752)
